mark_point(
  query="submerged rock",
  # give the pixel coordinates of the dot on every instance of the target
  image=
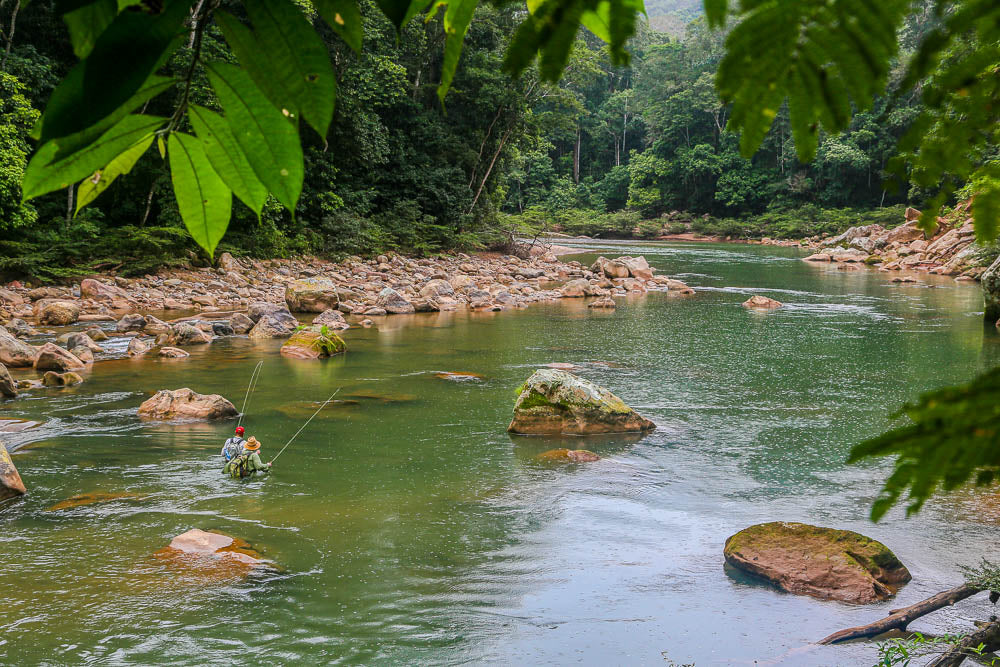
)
(568, 456)
(173, 353)
(67, 379)
(459, 377)
(200, 557)
(310, 343)
(554, 401)
(761, 302)
(821, 562)
(10, 481)
(202, 543)
(185, 403)
(83, 499)
(603, 302)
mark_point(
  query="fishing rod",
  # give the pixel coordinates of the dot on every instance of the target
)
(303, 426)
(250, 387)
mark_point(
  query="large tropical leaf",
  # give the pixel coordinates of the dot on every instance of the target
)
(227, 157)
(127, 52)
(86, 24)
(44, 173)
(294, 55)
(203, 199)
(91, 187)
(269, 140)
(344, 16)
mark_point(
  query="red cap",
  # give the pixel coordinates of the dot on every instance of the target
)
(239, 430)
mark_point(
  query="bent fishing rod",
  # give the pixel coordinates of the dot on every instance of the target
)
(303, 426)
(254, 376)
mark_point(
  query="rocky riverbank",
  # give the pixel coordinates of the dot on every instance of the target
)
(258, 298)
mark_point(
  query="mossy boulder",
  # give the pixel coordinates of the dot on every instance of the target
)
(554, 401)
(313, 342)
(825, 563)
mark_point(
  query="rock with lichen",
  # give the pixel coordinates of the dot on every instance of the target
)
(554, 401)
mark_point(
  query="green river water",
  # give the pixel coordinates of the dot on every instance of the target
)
(411, 529)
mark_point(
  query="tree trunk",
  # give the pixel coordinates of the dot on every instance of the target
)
(149, 204)
(69, 205)
(988, 637)
(898, 619)
(489, 169)
(576, 157)
(194, 23)
(10, 35)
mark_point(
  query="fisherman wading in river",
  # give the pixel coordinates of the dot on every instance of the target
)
(248, 462)
(233, 447)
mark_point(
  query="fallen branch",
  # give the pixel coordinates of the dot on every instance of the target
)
(898, 619)
(988, 637)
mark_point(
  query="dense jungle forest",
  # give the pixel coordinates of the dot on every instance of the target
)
(608, 150)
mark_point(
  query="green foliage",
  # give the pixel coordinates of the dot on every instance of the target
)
(16, 119)
(902, 651)
(985, 576)
(204, 201)
(954, 436)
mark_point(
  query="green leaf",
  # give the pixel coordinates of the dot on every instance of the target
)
(268, 139)
(203, 199)
(153, 87)
(45, 174)
(954, 436)
(121, 62)
(400, 12)
(344, 16)
(87, 23)
(248, 50)
(715, 12)
(457, 18)
(102, 179)
(227, 157)
(295, 56)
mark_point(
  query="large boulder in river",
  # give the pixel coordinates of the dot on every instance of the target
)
(332, 319)
(241, 324)
(53, 358)
(554, 401)
(822, 562)
(15, 353)
(393, 302)
(185, 403)
(310, 343)
(59, 313)
(188, 334)
(8, 388)
(259, 309)
(10, 481)
(991, 291)
(311, 295)
(67, 379)
(580, 287)
(270, 326)
(98, 291)
(133, 322)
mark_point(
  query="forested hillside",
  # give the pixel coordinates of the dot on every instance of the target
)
(603, 150)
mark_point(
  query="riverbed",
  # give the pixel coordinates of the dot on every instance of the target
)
(410, 528)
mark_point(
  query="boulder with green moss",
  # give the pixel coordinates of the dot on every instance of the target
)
(313, 342)
(821, 562)
(554, 401)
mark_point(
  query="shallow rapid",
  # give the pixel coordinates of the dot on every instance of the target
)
(410, 528)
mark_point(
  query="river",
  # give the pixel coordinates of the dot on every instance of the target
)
(411, 528)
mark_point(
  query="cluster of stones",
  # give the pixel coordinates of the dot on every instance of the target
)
(950, 250)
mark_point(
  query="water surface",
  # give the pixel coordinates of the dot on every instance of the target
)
(412, 529)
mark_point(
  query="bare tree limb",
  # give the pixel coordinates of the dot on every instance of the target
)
(898, 619)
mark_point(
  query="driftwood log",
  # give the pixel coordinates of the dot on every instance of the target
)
(898, 619)
(988, 637)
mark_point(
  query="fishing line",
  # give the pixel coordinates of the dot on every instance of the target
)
(304, 425)
(250, 387)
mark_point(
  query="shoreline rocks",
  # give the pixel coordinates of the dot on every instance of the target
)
(824, 563)
(11, 485)
(187, 404)
(554, 401)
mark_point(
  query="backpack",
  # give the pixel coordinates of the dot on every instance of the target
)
(239, 467)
